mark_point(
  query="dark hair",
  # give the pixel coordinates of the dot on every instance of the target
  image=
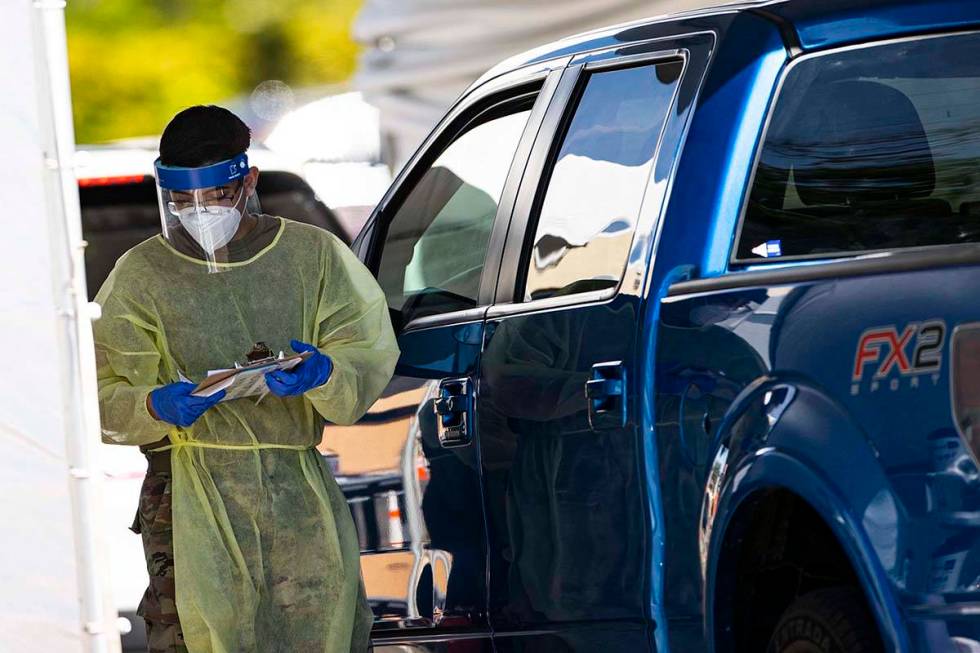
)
(202, 135)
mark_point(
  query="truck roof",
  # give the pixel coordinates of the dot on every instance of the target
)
(823, 24)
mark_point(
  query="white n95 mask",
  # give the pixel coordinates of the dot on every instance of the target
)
(212, 227)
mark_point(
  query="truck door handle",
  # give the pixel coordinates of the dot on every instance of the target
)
(454, 412)
(602, 389)
(606, 395)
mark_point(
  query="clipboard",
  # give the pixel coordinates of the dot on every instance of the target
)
(246, 380)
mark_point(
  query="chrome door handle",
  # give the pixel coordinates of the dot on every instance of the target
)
(454, 412)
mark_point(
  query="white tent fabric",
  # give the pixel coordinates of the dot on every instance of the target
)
(54, 595)
(421, 54)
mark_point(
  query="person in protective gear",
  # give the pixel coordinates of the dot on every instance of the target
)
(250, 543)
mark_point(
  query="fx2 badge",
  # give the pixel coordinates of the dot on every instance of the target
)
(891, 358)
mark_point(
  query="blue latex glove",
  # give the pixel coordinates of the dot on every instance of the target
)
(311, 373)
(173, 403)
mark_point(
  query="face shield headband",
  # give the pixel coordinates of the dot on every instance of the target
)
(185, 179)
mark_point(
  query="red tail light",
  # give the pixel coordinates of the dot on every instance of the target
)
(110, 181)
(966, 385)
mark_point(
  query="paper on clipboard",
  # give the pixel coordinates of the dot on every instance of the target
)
(248, 380)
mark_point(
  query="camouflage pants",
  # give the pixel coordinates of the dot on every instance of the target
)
(158, 607)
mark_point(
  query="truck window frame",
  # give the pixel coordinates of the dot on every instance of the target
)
(914, 255)
(695, 49)
(540, 82)
(583, 76)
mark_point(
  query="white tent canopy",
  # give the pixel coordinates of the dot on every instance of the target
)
(54, 589)
(421, 54)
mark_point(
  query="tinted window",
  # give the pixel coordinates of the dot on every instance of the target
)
(436, 244)
(869, 149)
(596, 185)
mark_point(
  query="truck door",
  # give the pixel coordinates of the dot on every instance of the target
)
(567, 512)
(411, 469)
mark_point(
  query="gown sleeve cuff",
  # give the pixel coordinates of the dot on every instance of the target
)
(148, 423)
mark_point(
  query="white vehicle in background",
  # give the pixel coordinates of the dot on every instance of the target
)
(338, 139)
(119, 210)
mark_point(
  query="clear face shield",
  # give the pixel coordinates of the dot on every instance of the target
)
(205, 212)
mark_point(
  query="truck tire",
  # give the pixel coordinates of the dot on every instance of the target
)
(832, 620)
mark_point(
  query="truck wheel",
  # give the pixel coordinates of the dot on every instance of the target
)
(833, 620)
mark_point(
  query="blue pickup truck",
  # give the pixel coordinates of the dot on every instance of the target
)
(690, 319)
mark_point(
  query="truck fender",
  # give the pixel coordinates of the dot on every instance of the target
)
(783, 433)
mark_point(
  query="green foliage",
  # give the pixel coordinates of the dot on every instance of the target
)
(135, 63)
